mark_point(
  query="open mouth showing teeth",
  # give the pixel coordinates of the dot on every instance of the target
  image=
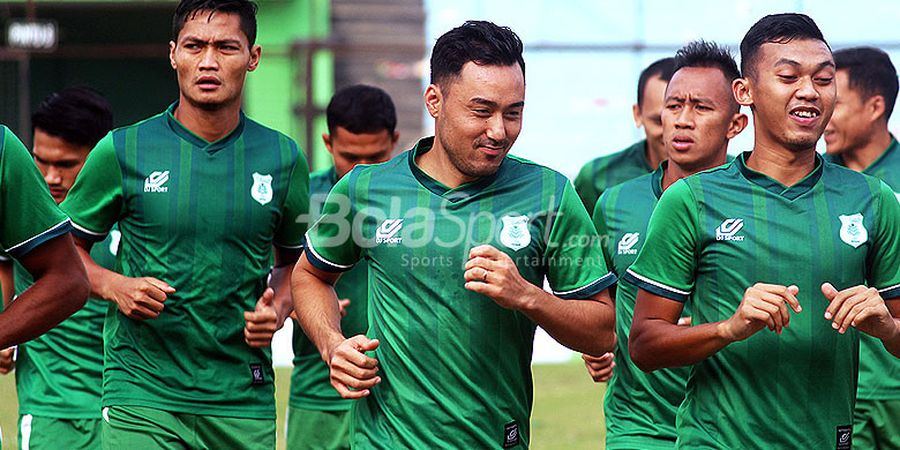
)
(805, 113)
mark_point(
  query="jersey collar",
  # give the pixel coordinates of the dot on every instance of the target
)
(456, 194)
(764, 181)
(656, 178)
(198, 141)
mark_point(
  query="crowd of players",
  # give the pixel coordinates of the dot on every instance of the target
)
(729, 302)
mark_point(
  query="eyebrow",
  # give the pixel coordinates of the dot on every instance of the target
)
(190, 38)
(791, 62)
(493, 104)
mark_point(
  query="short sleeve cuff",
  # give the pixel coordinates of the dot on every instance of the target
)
(890, 292)
(589, 290)
(88, 235)
(23, 248)
(320, 262)
(655, 287)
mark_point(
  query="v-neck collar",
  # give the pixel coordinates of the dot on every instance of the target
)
(656, 178)
(456, 194)
(774, 186)
(197, 141)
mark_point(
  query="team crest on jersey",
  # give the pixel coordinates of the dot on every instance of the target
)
(514, 233)
(853, 232)
(627, 243)
(261, 191)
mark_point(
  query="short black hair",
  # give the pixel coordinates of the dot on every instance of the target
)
(709, 55)
(777, 29)
(662, 68)
(478, 41)
(361, 109)
(871, 73)
(245, 9)
(78, 115)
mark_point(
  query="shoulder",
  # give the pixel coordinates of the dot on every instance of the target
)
(614, 159)
(517, 166)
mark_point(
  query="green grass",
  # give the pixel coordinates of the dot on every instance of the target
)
(568, 412)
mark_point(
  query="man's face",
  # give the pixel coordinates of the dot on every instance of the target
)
(648, 114)
(59, 162)
(478, 116)
(211, 58)
(698, 118)
(349, 149)
(793, 92)
(849, 127)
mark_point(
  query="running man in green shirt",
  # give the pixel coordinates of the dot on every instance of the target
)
(643, 156)
(857, 136)
(458, 237)
(699, 117)
(362, 125)
(201, 194)
(59, 374)
(777, 240)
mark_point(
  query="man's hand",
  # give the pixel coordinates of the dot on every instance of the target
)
(262, 323)
(7, 364)
(861, 307)
(492, 273)
(763, 305)
(600, 368)
(352, 372)
(140, 298)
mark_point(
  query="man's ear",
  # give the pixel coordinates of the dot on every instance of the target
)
(636, 114)
(255, 54)
(743, 92)
(738, 123)
(434, 99)
(172, 55)
(326, 139)
(875, 108)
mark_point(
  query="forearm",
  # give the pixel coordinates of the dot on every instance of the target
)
(280, 282)
(316, 305)
(656, 343)
(100, 278)
(586, 326)
(892, 344)
(7, 282)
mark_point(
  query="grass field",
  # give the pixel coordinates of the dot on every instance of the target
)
(567, 408)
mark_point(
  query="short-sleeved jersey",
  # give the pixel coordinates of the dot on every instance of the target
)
(203, 217)
(607, 171)
(59, 374)
(28, 215)
(310, 380)
(639, 407)
(879, 371)
(455, 366)
(713, 235)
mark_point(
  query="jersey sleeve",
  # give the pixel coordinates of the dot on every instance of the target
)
(330, 244)
(666, 264)
(599, 219)
(584, 186)
(576, 268)
(28, 215)
(884, 258)
(295, 214)
(96, 200)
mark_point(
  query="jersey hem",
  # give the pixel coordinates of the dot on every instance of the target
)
(590, 289)
(320, 262)
(655, 287)
(30, 244)
(890, 292)
(192, 408)
(315, 405)
(86, 234)
(64, 415)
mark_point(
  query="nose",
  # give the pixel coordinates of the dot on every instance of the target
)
(496, 128)
(208, 59)
(685, 118)
(807, 89)
(52, 177)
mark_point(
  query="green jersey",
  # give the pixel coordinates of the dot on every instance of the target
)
(310, 380)
(879, 371)
(715, 234)
(201, 216)
(28, 215)
(639, 407)
(607, 171)
(455, 366)
(59, 374)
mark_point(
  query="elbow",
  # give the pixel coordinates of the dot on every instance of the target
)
(79, 291)
(641, 352)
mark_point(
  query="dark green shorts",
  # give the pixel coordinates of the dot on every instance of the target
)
(876, 425)
(319, 430)
(137, 427)
(39, 432)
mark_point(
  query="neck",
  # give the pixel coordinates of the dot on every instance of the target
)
(675, 172)
(436, 163)
(210, 125)
(783, 165)
(653, 157)
(861, 158)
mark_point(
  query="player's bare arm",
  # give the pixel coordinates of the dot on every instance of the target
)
(585, 325)
(7, 283)
(657, 341)
(275, 305)
(60, 289)
(138, 298)
(352, 372)
(863, 308)
(600, 368)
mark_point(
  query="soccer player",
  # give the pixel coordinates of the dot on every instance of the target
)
(201, 193)
(458, 237)
(857, 136)
(59, 374)
(776, 240)
(643, 156)
(362, 125)
(699, 117)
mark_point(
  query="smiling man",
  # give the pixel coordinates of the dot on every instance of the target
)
(784, 259)
(458, 236)
(201, 195)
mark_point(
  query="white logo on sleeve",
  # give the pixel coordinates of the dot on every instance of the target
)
(897, 194)
(388, 230)
(514, 233)
(627, 243)
(261, 191)
(729, 229)
(853, 232)
(156, 182)
(115, 238)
